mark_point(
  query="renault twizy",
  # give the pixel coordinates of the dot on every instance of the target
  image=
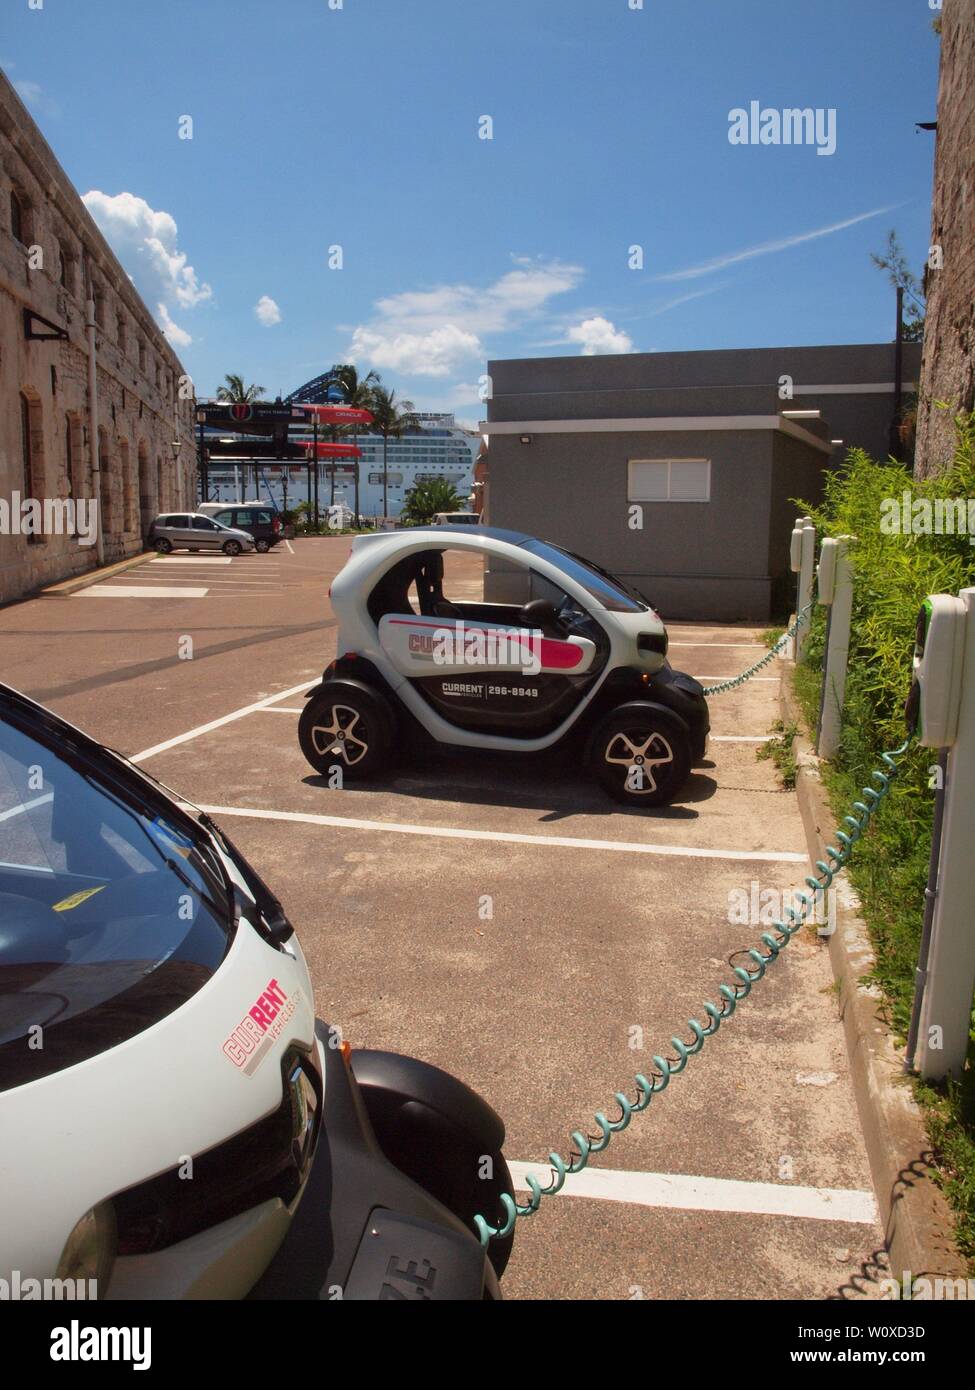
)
(174, 1121)
(560, 653)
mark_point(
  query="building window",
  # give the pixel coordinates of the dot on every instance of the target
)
(106, 499)
(143, 356)
(120, 336)
(100, 314)
(28, 455)
(18, 217)
(669, 480)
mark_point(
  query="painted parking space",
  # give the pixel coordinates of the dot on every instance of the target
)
(607, 928)
(196, 576)
(514, 926)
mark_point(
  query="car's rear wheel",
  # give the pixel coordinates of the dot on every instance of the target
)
(641, 754)
(231, 547)
(263, 546)
(349, 726)
(162, 545)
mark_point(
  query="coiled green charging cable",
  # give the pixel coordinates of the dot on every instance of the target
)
(774, 942)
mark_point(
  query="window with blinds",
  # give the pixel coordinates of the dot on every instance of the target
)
(669, 480)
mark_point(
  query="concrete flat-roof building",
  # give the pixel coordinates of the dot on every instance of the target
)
(678, 470)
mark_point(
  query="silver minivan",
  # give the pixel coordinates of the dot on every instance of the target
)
(191, 531)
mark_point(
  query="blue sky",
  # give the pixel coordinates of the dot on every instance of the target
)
(358, 126)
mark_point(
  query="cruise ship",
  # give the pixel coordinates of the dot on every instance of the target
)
(438, 448)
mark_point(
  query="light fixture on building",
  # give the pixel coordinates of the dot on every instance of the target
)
(836, 443)
(526, 439)
(800, 414)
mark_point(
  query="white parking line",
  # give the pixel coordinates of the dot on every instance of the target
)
(188, 560)
(772, 680)
(681, 1193)
(739, 738)
(281, 709)
(444, 832)
(106, 590)
(714, 644)
(26, 806)
(288, 544)
(219, 723)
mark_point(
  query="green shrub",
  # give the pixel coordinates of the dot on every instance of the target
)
(893, 575)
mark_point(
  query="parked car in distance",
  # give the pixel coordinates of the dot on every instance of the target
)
(191, 531)
(457, 519)
(259, 521)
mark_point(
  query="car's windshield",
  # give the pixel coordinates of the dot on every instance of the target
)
(611, 593)
(112, 913)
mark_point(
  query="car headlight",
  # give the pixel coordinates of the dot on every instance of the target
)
(89, 1251)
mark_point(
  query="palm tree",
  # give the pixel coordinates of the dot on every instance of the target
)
(391, 418)
(236, 392)
(358, 393)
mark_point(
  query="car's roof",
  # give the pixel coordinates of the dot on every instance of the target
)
(491, 533)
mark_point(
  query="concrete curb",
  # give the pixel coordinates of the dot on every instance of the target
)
(917, 1220)
(67, 587)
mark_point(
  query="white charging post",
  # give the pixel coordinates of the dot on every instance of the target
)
(802, 556)
(944, 699)
(835, 590)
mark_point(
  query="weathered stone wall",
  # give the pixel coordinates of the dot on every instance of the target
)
(139, 379)
(948, 364)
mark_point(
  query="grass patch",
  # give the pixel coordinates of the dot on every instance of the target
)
(780, 750)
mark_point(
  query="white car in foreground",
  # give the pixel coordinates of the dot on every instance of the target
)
(174, 1123)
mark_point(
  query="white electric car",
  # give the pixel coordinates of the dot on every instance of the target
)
(174, 1123)
(563, 655)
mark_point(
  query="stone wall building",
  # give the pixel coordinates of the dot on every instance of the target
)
(52, 259)
(948, 366)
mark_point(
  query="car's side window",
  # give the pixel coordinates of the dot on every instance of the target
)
(203, 523)
(225, 518)
(264, 518)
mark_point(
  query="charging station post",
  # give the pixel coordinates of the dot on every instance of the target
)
(944, 702)
(802, 558)
(835, 589)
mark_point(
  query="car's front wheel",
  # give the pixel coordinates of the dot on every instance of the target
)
(349, 726)
(162, 545)
(641, 754)
(231, 547)
(262, 546)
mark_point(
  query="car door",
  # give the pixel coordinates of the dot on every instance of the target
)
(180, 530)
(207, 533)
(476, 663)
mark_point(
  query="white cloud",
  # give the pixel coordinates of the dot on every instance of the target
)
(766, 248)
(433, 332)
(435, 353)
(267, 311)
(32, 95)
(597, 336)
(145, 241)
(177, 336)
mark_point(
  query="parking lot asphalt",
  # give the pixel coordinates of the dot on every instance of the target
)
(515, 927)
